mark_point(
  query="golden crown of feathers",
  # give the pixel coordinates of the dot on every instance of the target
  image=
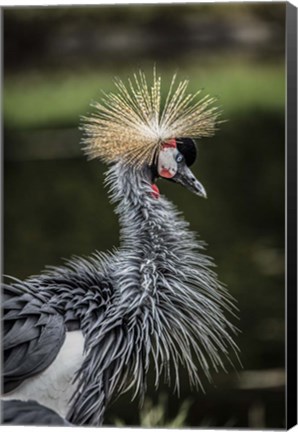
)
(133, 123)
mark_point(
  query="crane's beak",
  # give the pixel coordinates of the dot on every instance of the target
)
(185, 177)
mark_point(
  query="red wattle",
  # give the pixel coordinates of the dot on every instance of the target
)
(155, 191)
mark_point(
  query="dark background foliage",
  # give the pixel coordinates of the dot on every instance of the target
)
(56, 60)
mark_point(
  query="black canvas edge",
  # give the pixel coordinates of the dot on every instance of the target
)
(291, 216)
(1, 189)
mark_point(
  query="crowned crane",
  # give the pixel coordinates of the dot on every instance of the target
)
(79, 335)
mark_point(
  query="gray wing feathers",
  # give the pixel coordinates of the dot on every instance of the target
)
(16, 412)
(34, 332)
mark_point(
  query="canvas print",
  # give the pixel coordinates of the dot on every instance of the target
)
(144, 208)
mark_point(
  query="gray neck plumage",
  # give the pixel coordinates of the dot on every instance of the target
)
(161, 273)
(167, 304)
(155, 241)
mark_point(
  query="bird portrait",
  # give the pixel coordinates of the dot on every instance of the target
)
(79, 335)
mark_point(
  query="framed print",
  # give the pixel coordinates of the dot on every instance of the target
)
(150, 215)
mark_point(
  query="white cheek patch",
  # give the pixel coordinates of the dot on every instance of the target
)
(167, 165)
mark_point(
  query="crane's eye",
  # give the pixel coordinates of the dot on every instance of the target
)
(179, 158)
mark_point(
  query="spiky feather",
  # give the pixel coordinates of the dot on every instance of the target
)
(132, 123)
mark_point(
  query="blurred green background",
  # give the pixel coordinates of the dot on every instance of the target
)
(56, 60)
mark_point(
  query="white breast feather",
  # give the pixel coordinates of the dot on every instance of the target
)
(53, 387)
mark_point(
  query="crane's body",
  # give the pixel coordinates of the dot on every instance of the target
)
(79, 335)
(53, 387)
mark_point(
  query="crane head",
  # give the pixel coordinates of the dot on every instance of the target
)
(173, 162)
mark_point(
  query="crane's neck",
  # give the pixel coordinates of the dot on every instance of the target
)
(154, 240)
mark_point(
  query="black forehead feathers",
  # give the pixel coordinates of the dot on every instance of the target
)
(188, 148)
